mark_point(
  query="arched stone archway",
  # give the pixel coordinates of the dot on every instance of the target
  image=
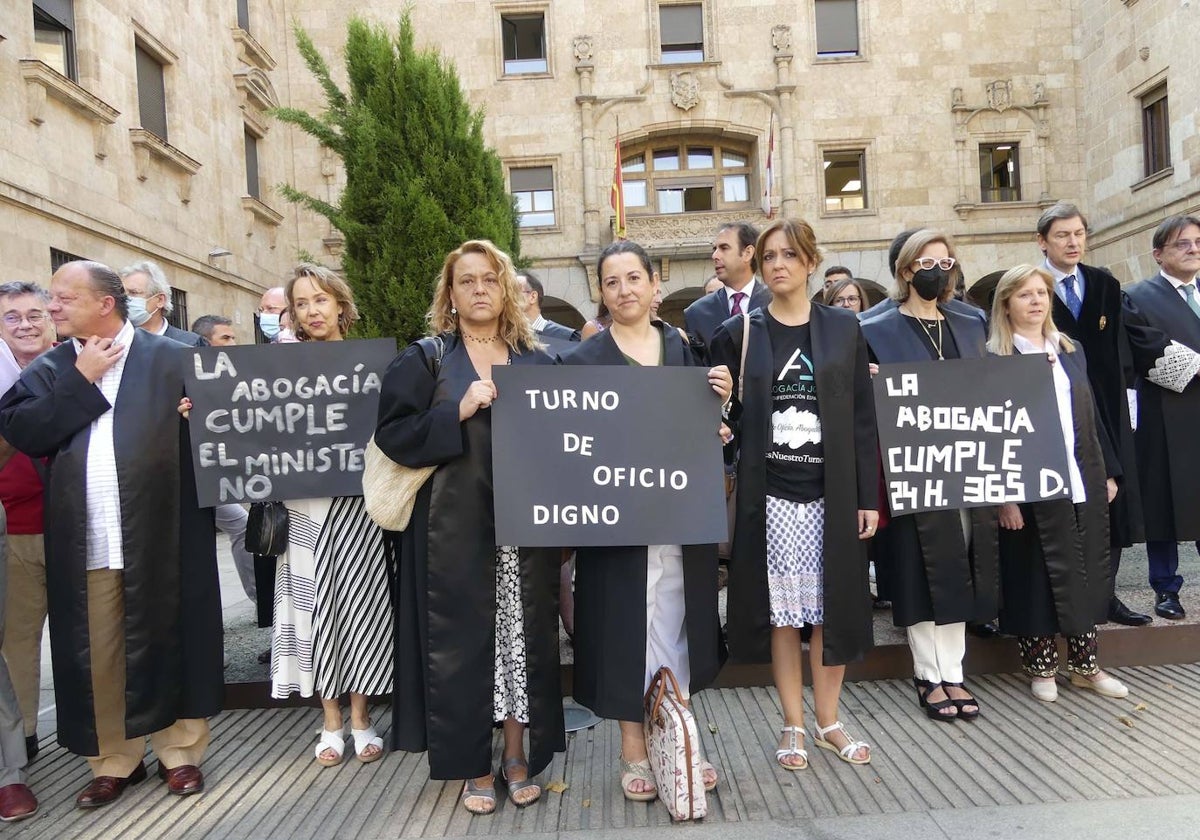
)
(673, 304)
(557, 309)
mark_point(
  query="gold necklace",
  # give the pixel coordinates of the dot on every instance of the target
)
(937, 345)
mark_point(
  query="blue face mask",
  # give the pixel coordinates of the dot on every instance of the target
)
(137, 311)
(268, 322)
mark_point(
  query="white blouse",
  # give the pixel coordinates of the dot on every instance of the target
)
(1066, 418)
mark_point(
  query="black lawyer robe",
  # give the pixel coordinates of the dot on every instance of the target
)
(173, 624)
(846, 406)
(610, 585)
(445, 606)
(933, 576)
(1055, 574)
(1100, 329)
(705, 314)
(1168, 447)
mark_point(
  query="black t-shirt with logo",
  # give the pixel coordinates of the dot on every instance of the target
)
(795, 457)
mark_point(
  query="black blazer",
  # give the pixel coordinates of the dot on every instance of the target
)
(704, 315)
(952, 305)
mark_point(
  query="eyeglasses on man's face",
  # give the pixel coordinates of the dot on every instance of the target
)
(1185, 245)
(14, 319)
(926, 263)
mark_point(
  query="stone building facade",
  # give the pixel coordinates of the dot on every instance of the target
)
(967, 115)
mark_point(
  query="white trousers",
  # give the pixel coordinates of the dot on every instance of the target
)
(666, 627)
(938, 650)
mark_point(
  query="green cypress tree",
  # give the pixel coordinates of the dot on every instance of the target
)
(420, 180)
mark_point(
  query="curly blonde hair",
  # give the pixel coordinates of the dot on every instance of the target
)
(327, 281)
(514, 328)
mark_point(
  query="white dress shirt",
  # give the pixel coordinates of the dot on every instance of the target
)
(103, 497)
(1059, 287)
(1178, 284)
(747, 290)
(1066, 415)
(538, 324)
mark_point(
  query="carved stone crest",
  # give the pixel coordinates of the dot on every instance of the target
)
(1143, 53)
(781, 38)
(685, 90)
(999, 94)
(583, 49)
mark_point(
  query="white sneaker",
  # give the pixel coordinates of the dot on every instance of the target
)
(1045, 690)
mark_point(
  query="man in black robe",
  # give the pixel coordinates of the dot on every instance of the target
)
(134, 602)
(740, 293)
(1087, 307)
(1162, 317)
(150, 302)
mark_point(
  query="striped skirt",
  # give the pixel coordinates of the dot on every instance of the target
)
(333, 615)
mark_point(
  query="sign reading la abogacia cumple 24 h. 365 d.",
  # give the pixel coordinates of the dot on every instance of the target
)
(970, 433)
(283, 421)
(586, 456)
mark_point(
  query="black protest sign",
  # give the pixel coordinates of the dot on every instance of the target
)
(969, 433)
(283, 421)
(586, 456)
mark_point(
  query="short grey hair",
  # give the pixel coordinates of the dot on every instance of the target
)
(158, 284)
(1060, 211)
(17, 288)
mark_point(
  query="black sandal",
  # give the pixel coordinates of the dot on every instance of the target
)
(966, 701)
(934, 710)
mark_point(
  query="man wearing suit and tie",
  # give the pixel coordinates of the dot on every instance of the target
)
(1087, 307)
(734, 263)
(1162, 317)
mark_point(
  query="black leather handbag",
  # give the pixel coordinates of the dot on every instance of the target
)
(267, 529)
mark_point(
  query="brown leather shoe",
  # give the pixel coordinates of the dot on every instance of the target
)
(183, 780)
(105, 789)
(17, 802)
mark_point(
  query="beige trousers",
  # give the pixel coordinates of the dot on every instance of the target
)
(24, 620)
(183, 742)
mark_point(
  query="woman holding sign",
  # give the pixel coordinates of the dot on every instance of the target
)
(1055, 573)
(799, 546)
(638, 608)
(333, 614)
(476, 624)
(943, 563)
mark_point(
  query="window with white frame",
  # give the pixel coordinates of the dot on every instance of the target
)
(687, 175)
(533, 188)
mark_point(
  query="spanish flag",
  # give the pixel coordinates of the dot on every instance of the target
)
(617, 193)
(769, 176)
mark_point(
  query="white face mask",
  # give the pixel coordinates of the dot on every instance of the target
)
(138, 314)
(268, 322)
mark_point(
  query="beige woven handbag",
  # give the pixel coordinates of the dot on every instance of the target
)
(390, 489)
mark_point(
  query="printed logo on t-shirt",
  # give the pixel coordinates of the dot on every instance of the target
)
(795, 424)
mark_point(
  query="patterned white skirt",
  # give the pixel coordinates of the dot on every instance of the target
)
(796, 562)
(510, 693)
(333, 613)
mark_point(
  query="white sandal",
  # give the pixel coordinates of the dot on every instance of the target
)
(364, 738)
(847, 752)
(330, 741)
(793, 748)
